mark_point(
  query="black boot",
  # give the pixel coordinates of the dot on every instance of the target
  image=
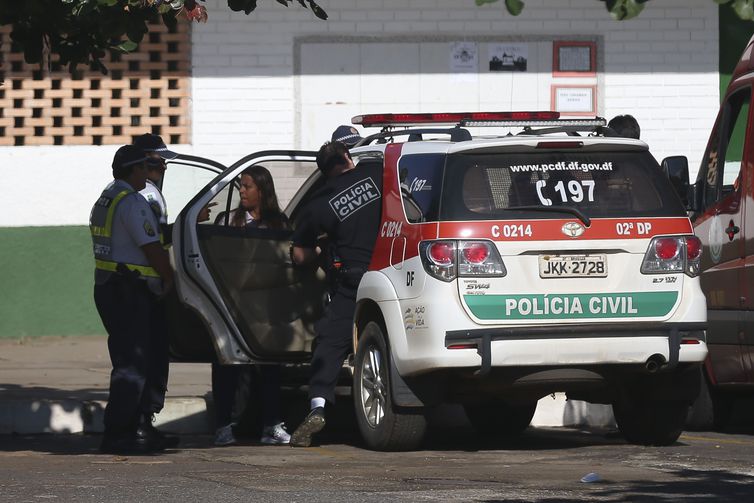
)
(131, 444)
(147, 430)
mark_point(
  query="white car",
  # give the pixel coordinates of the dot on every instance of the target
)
(551, 257)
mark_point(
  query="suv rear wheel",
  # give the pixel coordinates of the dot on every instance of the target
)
(711, 410)
(646, 421)
(499, 418)
(383, 425)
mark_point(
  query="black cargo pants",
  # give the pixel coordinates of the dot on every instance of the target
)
(138, 347)
(333, 343)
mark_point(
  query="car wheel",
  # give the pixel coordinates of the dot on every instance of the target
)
(701, 415)
(500, 419)
(650, 422)
(711, 410)
(383, 426)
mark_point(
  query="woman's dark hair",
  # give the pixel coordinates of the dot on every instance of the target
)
(270, 215)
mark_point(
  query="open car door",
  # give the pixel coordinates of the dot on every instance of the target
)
(240, 282)
(184, 177)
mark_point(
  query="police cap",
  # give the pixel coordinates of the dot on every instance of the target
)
(153, 143)
(347, 135)
(128, 155)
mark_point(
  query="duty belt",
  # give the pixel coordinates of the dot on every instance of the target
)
(143, 270)
(350, 276)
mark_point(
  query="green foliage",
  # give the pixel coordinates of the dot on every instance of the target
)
(80, 32)
(627, 9)
(247, 6)
(743, 8)
(514, 6)
(624, 9)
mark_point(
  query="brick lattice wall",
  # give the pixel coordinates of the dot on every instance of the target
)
(144, 91)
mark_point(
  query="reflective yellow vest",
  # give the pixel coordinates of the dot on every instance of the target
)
(101, 228)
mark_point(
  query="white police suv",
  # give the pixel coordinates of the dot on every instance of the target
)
(545, 256)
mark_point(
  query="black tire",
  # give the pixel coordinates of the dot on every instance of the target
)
(500, 419)
(383, 426)
(651, 422)
(701, 416)
(711, 411)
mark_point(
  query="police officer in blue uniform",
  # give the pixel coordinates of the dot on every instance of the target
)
(132, 272)
(157, 153)
(348, 210)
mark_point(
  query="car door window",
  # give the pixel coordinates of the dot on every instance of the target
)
(188, 337)
(184, 177)
(722, 163)
(420, 178)
(222, 204)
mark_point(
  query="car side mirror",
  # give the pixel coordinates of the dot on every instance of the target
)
(676, 168)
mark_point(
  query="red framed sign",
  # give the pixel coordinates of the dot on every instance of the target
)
(574, 58)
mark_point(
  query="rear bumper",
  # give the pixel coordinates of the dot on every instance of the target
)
(665, 343)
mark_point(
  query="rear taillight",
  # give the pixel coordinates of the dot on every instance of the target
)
(669, 254)
(667, 248)
(475, 252)
(693, 255)
(479, 258)
(448, 259)
(439, 259)
(442, 253)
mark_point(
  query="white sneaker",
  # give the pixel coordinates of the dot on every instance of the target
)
(224, 435)
(275, 435)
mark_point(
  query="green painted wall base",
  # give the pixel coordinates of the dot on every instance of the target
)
(46, 282)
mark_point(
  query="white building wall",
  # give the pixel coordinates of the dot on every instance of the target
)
(661, 67)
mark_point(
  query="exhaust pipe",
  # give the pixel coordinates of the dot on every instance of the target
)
(654, 363)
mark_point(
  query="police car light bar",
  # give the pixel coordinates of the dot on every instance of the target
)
(597, 121)
(456, 118)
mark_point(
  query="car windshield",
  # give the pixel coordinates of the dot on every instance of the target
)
(515, 185)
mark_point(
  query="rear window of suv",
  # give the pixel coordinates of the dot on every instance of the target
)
(600, 184)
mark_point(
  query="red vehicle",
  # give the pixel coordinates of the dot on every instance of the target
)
(722, 201)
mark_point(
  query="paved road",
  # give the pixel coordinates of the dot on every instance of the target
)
(543, 465)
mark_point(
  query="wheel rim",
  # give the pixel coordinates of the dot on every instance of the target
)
(373, 392)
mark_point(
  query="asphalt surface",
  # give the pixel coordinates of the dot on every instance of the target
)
(454, 465)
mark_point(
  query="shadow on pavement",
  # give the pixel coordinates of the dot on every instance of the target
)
(689, 485)
(18, 392)
(448, 428)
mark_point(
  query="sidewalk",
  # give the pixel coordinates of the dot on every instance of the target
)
(59, 385)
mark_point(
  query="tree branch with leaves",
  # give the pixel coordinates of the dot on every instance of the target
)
(627, 9)
(80, 32)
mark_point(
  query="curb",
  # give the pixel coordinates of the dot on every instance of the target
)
(554, 411)
(188, 415)
(191, 415)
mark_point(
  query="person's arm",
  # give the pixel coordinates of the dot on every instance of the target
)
(303, 255)
(141, 224)
(159, 260)
(204, 213)
(304, 249)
